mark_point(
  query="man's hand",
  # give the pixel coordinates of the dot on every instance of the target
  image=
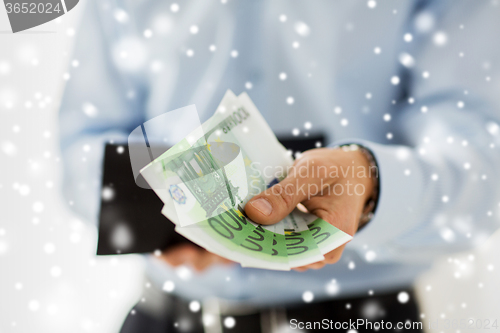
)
(189, 254)
(332, 184)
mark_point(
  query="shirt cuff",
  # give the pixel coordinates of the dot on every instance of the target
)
(400, 190)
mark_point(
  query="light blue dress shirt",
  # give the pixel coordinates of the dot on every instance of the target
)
(417, 82)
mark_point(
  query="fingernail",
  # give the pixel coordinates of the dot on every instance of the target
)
(263, 206)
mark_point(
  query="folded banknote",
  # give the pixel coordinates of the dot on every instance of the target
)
(206, 179)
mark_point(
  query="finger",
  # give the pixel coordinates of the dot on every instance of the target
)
(334, 256)
(180, 254)
(317, 265)
(300, 269)
(203, 261)
(206, 259)
(308, 178)
(341, 211)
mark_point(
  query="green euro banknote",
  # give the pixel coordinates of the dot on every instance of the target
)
(206, 179)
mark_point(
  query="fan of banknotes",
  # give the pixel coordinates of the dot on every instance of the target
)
(206, 179)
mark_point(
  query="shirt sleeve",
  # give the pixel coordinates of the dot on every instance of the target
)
(439, 191)
(100, 104)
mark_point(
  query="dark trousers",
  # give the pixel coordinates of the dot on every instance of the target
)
(383, 312)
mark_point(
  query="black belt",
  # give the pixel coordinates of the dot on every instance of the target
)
(375, 313)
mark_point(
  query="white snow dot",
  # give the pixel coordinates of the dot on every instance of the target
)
(425, 75)
(307, 296)
(194, 306)
(445, 198)
(120, 15)
(408, 37)
(389, 136)
(406, 60)
(493, 128)
(212, 48)
(282, 18)
(34, 305)
(351, 265)
(424, 109)
(208, 320)
(290, 100)
(282, 76)
(407, 172)
(337, 110)
(387, 117)
(490, 267)
(371, 4)
(189, 53)
(49, 248)
(370, 255)
(229, 322)
(3, 247)
(332, 288)
(368, 96)
(460, 104)
(52, 309)
(148, 33)
(295, 45)
(395, 80)
(248, 85)
(174, 8)
(377, 50)
(447, 234)
(38, 207)
(89, 109)
(120, 149)
(302, 29)
(344, 122)
(56, 271)
(4, 68)
(295, 131)
(466, 166)
(194, 29)
(434, 177)
(424, 22)
(183, 272)
(234, 53)
(440, 38)
(9, 148)
(168, 286)
(107, 193)
(307, 125)
(403, 297)
(24, 190)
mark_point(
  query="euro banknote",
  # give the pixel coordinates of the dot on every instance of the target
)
(206, 179)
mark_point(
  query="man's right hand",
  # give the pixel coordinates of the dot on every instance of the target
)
(189, 254)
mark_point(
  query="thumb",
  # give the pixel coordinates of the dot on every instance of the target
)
(275, 203)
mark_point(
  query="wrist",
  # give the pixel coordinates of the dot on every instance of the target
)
(367, 175)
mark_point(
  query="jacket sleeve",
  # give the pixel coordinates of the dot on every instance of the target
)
(101, 103)
(439, 192)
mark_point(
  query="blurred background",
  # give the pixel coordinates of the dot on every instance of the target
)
(50, 278)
